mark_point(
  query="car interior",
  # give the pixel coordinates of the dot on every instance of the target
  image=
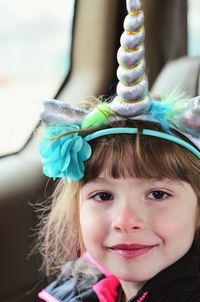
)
(96, 29)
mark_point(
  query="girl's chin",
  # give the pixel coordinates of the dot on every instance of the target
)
(133, 272)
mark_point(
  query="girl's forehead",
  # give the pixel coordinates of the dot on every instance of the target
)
(106, 178)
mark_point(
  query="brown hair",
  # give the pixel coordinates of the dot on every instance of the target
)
(121, 155)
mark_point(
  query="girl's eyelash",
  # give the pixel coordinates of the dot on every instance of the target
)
(159, 194)
(101, 196)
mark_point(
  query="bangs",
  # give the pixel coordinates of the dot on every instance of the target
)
(126, 155)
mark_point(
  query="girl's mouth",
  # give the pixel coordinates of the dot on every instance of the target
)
(131, 250)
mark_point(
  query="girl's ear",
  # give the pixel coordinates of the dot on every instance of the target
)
(55, 112)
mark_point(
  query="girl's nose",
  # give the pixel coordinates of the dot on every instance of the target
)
(128, 219)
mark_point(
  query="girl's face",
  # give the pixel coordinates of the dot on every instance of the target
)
(137, 227)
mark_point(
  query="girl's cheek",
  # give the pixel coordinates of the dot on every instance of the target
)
(95, 225)
(91, 219)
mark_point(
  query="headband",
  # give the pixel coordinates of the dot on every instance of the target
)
(64, 149)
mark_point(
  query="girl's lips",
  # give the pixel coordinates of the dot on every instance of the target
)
(131, 250)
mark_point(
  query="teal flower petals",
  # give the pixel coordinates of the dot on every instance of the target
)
(64, 157)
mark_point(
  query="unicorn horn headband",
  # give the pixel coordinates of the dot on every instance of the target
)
(132, 89)
(64, 157)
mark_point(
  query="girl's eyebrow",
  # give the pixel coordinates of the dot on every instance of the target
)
(166, 181)
(98, 180)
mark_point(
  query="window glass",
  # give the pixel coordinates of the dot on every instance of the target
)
(193, 27)
(35, 42)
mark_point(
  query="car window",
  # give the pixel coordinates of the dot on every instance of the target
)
(193, 28)
(35, 48)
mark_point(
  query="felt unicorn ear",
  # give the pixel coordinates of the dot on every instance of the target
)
(185, 116)
(132, 89)
(56, 112)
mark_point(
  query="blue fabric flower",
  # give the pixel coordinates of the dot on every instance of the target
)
(64, 157)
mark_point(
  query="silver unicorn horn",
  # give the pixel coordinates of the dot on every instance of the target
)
(132, 89)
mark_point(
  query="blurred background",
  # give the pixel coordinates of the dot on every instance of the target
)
(35, 42)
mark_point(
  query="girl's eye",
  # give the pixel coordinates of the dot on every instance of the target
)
(102, 196)
(158, 195)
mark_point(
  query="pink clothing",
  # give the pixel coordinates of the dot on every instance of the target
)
(46, 296)
(106, 289)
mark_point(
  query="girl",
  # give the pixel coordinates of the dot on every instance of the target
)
(124, 222)
(136, 212)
